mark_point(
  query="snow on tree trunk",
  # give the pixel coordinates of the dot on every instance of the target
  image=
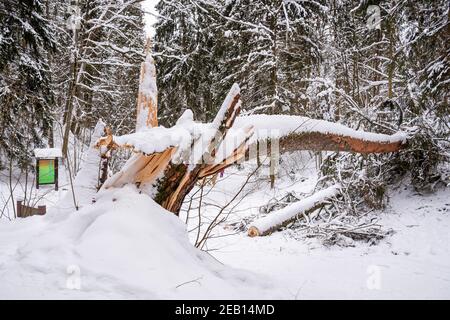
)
(282, 217)
(147, 105)
(206, 147)
(179, 179)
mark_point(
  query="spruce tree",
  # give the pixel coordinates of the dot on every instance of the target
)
(25, 94)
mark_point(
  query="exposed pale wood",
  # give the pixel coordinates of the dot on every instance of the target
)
(226, 120)
(127, 174)
(107, 141)
(178, 180)
(236, 156)
(155, 166)
(147, 103)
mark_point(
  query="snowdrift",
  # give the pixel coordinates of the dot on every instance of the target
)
(122, 246)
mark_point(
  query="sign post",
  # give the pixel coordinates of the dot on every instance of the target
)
(47, 166)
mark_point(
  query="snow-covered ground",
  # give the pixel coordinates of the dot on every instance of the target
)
(125, 246)
(414, 263)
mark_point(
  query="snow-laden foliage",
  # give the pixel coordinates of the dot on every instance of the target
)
(66, 62)
(26, 99)
(99, 62)
(395, 81)
(205, 46)
(321, 59)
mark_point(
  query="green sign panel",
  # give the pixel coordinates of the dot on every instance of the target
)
(46, 171)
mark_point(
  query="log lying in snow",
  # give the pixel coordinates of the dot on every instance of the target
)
(283, 217)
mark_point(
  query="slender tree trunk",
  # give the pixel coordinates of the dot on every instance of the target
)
(11, 190)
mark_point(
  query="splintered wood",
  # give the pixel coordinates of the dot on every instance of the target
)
(147, 104)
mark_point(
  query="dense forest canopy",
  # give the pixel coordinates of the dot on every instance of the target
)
(66, 62)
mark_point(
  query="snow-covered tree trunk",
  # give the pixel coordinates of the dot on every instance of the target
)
(169, 161)
(179, 179)
(283, 217)
(147, 104)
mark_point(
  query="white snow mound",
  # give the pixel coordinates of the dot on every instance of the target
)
(122, 246)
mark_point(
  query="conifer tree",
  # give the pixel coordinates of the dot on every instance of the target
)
(25, 95)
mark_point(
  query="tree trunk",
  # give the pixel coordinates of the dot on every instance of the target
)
(178, 181)
(283, 217)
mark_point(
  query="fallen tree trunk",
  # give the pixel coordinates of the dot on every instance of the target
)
(317, 141)
(283, 217)
(169, 161)
(179, 179)
(297, 133)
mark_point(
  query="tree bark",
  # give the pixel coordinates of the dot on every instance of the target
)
(178, 181)
(316, 141)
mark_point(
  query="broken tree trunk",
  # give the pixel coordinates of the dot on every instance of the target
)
(178, 179)
(171, 160)
(300, 133)
(140, 168)
(283, 217)
(316, 141)
(147, 104)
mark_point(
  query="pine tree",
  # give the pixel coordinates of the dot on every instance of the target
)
(203, 47)
(25, 94)
(185, 43)
(275, 46)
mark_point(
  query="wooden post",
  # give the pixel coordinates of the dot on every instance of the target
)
(19, 208)
(24, 211)
(41, 210)
(147, 103)
(37, 173)
(258, 159)
(272, 173)
(55, 163)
